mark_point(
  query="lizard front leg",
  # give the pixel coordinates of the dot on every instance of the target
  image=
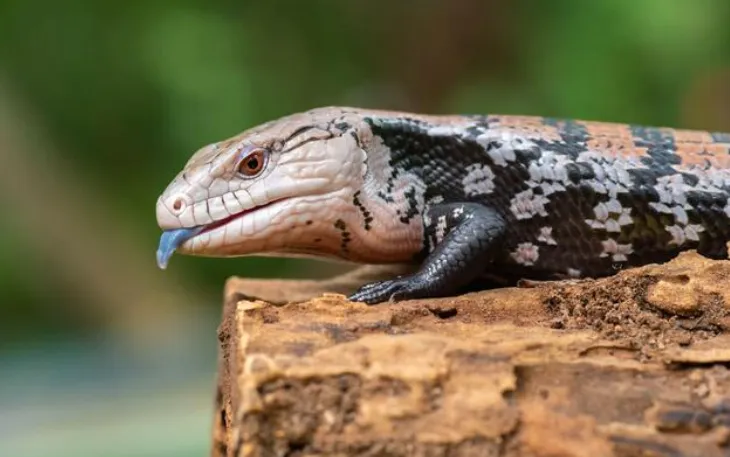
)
(464, 238)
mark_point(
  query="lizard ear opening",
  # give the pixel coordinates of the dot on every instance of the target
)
(252, 162)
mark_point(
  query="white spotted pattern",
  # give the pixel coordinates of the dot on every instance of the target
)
(550, 168)
(502, 144)
(617, 251)
(546, 236)
(440, 229)
(611, 175)
(527, 204)
(446, 130)
(611, 179)
(672, 192)
(548, 174)
(479, 180)
(610, 216)
(526, 254)
(682, 234)
(710, 179)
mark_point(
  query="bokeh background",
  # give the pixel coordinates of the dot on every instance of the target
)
(101, 103)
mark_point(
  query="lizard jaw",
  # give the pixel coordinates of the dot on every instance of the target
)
(172, 239)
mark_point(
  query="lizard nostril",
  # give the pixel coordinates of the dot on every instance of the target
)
(178, 204)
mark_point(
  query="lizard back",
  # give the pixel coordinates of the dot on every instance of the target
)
(580, 198)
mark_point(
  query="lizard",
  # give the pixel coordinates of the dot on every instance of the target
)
(459, 197)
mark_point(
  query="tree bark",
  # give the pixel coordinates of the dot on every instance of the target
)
(632, 365)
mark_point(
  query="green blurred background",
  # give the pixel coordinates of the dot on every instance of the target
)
(101, 103)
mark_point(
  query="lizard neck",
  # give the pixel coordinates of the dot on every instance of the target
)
(390, 205)
(404, 174)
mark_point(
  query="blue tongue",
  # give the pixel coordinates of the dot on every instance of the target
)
(171, 240)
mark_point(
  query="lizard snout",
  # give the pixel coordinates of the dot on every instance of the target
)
(170, 209)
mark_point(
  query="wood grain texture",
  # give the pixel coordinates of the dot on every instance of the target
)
(634, 364)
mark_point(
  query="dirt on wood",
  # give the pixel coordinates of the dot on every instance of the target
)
(637, 364)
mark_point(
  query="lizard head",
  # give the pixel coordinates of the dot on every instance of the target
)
(266, 191)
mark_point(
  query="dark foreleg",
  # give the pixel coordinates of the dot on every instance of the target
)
(462, 239)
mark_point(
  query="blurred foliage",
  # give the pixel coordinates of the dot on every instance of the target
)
(101, 103)
(126, 91)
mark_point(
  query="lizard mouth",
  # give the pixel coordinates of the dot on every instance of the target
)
(172, 239)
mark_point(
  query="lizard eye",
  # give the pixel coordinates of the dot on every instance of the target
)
(253, 163)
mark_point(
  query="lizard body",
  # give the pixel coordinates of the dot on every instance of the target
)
(460, 196)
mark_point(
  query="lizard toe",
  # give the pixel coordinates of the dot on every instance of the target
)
(397, 289)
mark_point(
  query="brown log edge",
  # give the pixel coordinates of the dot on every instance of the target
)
(637, 364)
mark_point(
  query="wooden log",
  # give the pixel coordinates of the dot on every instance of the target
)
(637, 364)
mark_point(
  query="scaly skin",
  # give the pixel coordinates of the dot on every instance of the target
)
(460, 196)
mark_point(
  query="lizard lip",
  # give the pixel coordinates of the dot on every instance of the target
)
(172, 239)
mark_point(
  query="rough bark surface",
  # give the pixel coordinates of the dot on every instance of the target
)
(633, 365)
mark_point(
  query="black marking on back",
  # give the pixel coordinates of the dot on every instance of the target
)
(573, 134)
(439, 161)
(660, 148)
